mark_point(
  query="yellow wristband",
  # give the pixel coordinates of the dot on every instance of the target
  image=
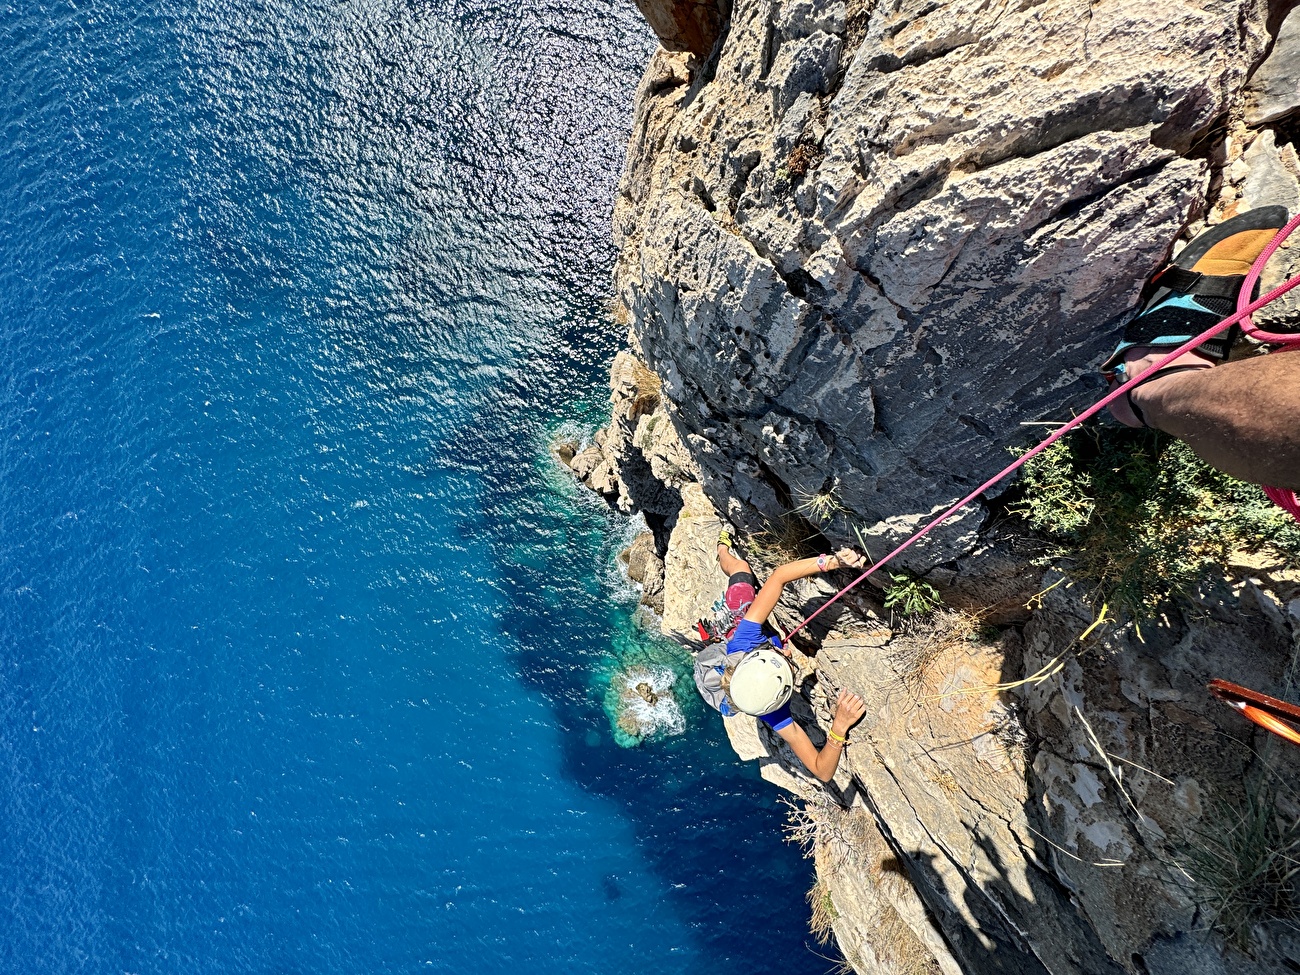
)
(835, 737)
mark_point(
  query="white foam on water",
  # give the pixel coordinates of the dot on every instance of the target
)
(662, 718)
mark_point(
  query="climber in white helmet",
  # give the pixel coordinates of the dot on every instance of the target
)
(754, 674)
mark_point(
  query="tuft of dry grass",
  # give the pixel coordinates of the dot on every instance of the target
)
(648, 388)
(833, 836)
(1246, 863)
(824, 915)
(787, 538)
(923, 643)
(819, 507)
(805, 156)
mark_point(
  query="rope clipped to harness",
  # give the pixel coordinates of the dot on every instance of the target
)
(1245, 309)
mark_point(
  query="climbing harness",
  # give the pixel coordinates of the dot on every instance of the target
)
(1245, 308)
(1267, 712)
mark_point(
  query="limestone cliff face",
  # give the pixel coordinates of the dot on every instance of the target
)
(861, 242)
(867, 239)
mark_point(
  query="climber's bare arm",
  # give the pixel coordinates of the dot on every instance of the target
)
(1239, 416)
(761, 608)
(849, 709)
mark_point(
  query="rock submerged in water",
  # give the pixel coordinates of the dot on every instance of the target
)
(646, 569)
(564, 451)
(646, 706)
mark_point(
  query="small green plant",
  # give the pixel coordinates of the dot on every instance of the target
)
(1142, 518)
(911, 597)
(1246, 864)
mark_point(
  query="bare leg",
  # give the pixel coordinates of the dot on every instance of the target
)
(1242, 417)
(730, 564)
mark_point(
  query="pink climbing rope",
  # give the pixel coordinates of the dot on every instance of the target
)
(1245, 309)
(1279, 496)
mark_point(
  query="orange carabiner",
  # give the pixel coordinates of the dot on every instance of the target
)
(1269, 713)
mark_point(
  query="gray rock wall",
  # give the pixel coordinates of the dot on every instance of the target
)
(867, 240)
(861, 242)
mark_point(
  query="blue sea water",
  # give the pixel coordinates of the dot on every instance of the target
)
(303, 640)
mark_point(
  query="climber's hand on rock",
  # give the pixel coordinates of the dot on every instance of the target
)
(849, 709)
(849, 559)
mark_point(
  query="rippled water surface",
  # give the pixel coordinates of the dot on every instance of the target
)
(305, 648)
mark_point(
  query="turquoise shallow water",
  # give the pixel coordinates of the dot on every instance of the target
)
(304, 645)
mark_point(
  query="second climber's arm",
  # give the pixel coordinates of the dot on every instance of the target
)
(761, 608)
(849, 709)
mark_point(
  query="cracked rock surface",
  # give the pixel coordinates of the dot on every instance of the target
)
(867, 240)
(861, 243)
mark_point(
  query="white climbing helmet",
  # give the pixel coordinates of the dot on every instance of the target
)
(762, 682)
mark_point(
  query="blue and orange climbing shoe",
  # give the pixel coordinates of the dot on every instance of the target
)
(1194, 292)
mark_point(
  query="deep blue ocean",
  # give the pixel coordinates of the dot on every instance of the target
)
(305, 643)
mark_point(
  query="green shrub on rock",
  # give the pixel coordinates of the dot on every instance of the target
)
(1142, 518)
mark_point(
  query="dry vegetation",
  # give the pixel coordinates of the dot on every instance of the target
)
(787, 538)
(824, 914)
(648, 387)
(915, 652)
(1246, 864)
(835, 838)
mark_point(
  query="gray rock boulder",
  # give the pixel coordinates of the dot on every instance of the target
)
(1275, 87)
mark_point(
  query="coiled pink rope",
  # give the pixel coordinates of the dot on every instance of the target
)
(1245, 309)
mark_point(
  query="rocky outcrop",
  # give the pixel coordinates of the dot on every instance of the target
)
(1049, 827)
(686, 25)
(645, 567)
(637, 462)
(867, 240)
(862, 243)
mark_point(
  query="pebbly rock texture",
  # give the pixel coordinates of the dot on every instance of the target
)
(866, 240)
(638, 462)
(863, 241)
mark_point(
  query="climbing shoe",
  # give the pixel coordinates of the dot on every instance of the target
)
(1198, 289)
